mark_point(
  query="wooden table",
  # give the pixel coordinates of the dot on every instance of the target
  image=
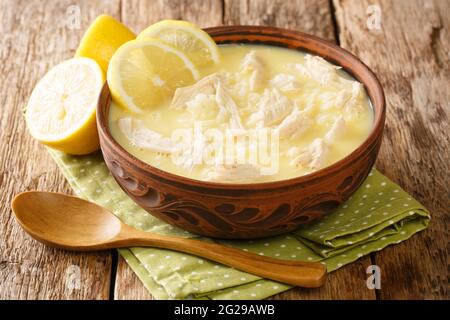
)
(405, 42)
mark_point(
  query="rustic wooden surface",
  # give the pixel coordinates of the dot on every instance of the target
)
(410, 54)
(128, 286)
(34, 37)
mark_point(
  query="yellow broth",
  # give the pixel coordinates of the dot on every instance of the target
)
(322, 95)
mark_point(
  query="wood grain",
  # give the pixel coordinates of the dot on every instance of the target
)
(139, 14)
(410, 54)
(128, 286)
(309, 16)
(347, 283)
(35, 35)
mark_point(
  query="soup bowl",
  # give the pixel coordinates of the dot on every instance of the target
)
(252, 210)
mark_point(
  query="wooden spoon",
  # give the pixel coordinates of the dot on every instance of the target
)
(75, 224)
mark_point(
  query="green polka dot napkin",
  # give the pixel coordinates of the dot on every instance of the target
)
(377, 215)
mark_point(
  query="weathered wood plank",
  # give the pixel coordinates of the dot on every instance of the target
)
(311, 16)
(410, 53)
(139, 14)
(347, 283)
(128, 286)
(416, 49)
(35, 35)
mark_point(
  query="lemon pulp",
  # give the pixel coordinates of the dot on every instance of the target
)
(195, 43)
(61, 109)
(143, 73)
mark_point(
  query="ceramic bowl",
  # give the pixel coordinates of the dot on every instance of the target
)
(243, 211)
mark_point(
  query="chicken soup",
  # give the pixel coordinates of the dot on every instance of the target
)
(262, 114)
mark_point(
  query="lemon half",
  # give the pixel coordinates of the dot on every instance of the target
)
(143, 73)
(195, 43)
(62, 107)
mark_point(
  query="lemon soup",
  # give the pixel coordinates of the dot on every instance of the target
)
(261, 114)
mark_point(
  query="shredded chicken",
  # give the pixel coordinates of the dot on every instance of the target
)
(202, 106)
(191, 153)
(207, 85)
(293, 152)
(253, 64)
(309, 105)
(347, 93)
(256, 80)
(318, 69)
(272, 108)
(141, 137)
(225, 101)
(292, 103)
(348, 99)
(312, 157)
(337, 129)
(328, 99)
(294, 124)
(353, 102)
(233, 173)
(285, 82)
(211, 92)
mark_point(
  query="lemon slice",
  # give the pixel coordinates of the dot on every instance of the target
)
(195, 43)
(143, 74)
(61, 109)
(103, 37)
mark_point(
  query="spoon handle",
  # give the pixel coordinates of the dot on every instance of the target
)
(296, 273)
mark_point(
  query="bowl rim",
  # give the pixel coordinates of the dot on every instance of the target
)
(376, 132)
